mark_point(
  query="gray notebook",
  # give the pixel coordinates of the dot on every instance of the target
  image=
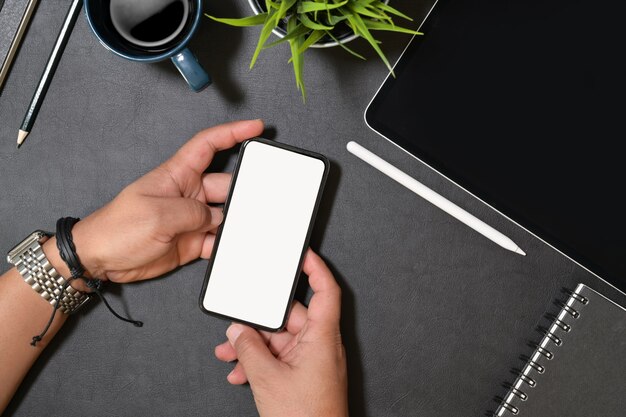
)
(579, 367)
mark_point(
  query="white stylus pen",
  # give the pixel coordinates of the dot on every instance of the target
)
(434, 198)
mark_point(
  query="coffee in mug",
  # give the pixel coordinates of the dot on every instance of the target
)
(149, 23)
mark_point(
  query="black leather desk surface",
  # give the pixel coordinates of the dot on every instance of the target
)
(434, 314)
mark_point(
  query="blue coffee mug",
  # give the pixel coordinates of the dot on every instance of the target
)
(98, 14)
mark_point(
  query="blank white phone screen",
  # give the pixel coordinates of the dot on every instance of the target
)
(263, 235)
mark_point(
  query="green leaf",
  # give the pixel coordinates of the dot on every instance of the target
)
(315, 36)
(359, 26)
(296, 57)
(311, 6)
(269, 5)
(306, 21)
(299, 30)
(285, 5)
(241, 22)
(266, 31)
(362, 10)
(342, 45)
(387, 8)
(336, 19)
(374, 25)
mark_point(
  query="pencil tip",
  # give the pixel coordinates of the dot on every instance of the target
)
(21, 136)
(520, 251)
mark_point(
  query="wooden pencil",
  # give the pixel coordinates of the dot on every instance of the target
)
(48, 73)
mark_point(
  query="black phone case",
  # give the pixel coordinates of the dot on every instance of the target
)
(306, 241)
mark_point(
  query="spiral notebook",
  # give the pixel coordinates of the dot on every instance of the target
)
(579, 367)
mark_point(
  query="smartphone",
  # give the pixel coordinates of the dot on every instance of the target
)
(259, 248)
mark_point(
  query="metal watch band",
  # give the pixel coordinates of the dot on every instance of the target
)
(31, 262)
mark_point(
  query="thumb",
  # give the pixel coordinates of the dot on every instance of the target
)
(252, 352)
(181, 215)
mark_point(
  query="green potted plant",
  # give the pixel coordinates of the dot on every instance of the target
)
(319, 23)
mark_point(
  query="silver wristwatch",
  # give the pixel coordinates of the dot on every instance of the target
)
(32, 264)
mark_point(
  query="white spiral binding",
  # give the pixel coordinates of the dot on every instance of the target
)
(517, 390)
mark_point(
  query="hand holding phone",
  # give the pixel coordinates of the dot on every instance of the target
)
(259, 249)
(314, 382)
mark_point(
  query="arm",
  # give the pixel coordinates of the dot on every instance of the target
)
(23, 313)
(159, 222)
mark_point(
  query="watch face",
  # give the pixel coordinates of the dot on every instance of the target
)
(36, 236)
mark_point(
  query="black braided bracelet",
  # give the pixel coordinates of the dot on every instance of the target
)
(66, 246)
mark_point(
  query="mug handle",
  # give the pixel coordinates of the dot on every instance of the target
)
(191, 70)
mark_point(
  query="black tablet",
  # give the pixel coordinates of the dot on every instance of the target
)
(522, 104)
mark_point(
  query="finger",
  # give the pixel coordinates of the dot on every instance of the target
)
(278, 341)
(295, 323)
(177, 215)
(255, 357)
(194, 245)
(199, 151)
(325, 305)
(238, 375)
(225, 352)
(297, 318)
(190, 246)
(207, 245)
(275, 341)
(216, 186)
